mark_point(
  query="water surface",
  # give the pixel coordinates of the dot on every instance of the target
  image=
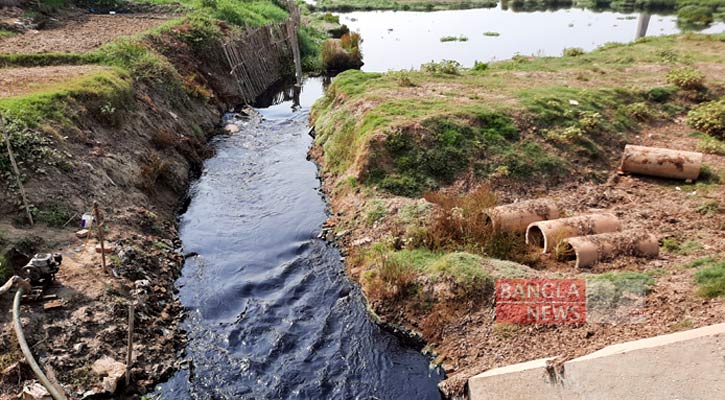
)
(272, 314)
(394, 40)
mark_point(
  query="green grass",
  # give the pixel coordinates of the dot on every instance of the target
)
(491, 34)
(711, 278)
(110, 86)
(421, 132)
(621, 282)
(704, 261)
(464, 269)
(684, 248)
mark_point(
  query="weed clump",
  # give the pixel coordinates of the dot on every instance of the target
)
(446, 67)
(491, 34)
(709, 118)
(460, 223)
(479, 66)
(711, 279)
(573, 52)
(342, 54)
(686, 78)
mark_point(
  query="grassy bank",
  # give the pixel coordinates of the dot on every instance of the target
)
(409, 132)
(412, 159)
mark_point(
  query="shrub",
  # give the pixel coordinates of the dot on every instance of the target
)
(491, 34)
(403, 78)
(660, 94)
(162, 139)
(640, 111)
(695, 15)
(448, 67)
(460, 224)
(480, 66)
(711, 145)
(342, 54)
(686, 78)
(152, 171)
(709, 118)
(573, 51)
(329, 17)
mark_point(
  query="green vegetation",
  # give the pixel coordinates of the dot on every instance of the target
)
(491, 34)
(5, 271)
(704, 261)
(514, 119)
(684, 248)
(709, 118)
(610, 288)
(459, 38)
(397, 272)
(711, 145)
(573, 51)
(342, 54)
(711, 277)
(687, 78)
(53, 215)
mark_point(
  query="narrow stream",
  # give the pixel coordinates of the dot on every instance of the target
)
(272, 314)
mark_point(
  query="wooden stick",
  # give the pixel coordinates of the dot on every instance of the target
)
(129, 349)
(17, 171)
(99, 229)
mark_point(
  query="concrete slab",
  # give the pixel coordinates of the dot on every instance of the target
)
(688, 365)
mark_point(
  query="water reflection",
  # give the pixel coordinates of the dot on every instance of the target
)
(394, 40)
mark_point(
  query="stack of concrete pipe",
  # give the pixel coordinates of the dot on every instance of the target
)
(588, 239)
(516, 217)
(591, 238)
(663, 163)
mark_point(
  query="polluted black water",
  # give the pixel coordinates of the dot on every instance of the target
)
(271, 312)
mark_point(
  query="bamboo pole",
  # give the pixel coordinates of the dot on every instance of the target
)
(16, 170)
(129, 349)
(99, 231)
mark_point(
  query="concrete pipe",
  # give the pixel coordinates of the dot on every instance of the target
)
(548, 234)
(516, 217)
(664, 163)
(589, 250)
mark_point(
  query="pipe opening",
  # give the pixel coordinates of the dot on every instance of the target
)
(565, 252)
(536, 237)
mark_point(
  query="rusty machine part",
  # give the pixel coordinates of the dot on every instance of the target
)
(516, 217)
(589, 250)
(663, 163)
(41, 269)
(548, 234)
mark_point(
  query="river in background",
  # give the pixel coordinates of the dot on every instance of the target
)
(395, 40)
(271, 312)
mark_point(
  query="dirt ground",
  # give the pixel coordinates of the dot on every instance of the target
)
(472, 343)
(19, 81)
(467, 338)
(81, 33)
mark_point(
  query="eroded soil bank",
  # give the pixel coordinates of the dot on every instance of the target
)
(410, 160)
(124, 122)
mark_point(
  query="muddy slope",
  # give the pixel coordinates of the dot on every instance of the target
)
(136, 160)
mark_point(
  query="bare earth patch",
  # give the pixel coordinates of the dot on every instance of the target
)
(81, 34)
(19, 81)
